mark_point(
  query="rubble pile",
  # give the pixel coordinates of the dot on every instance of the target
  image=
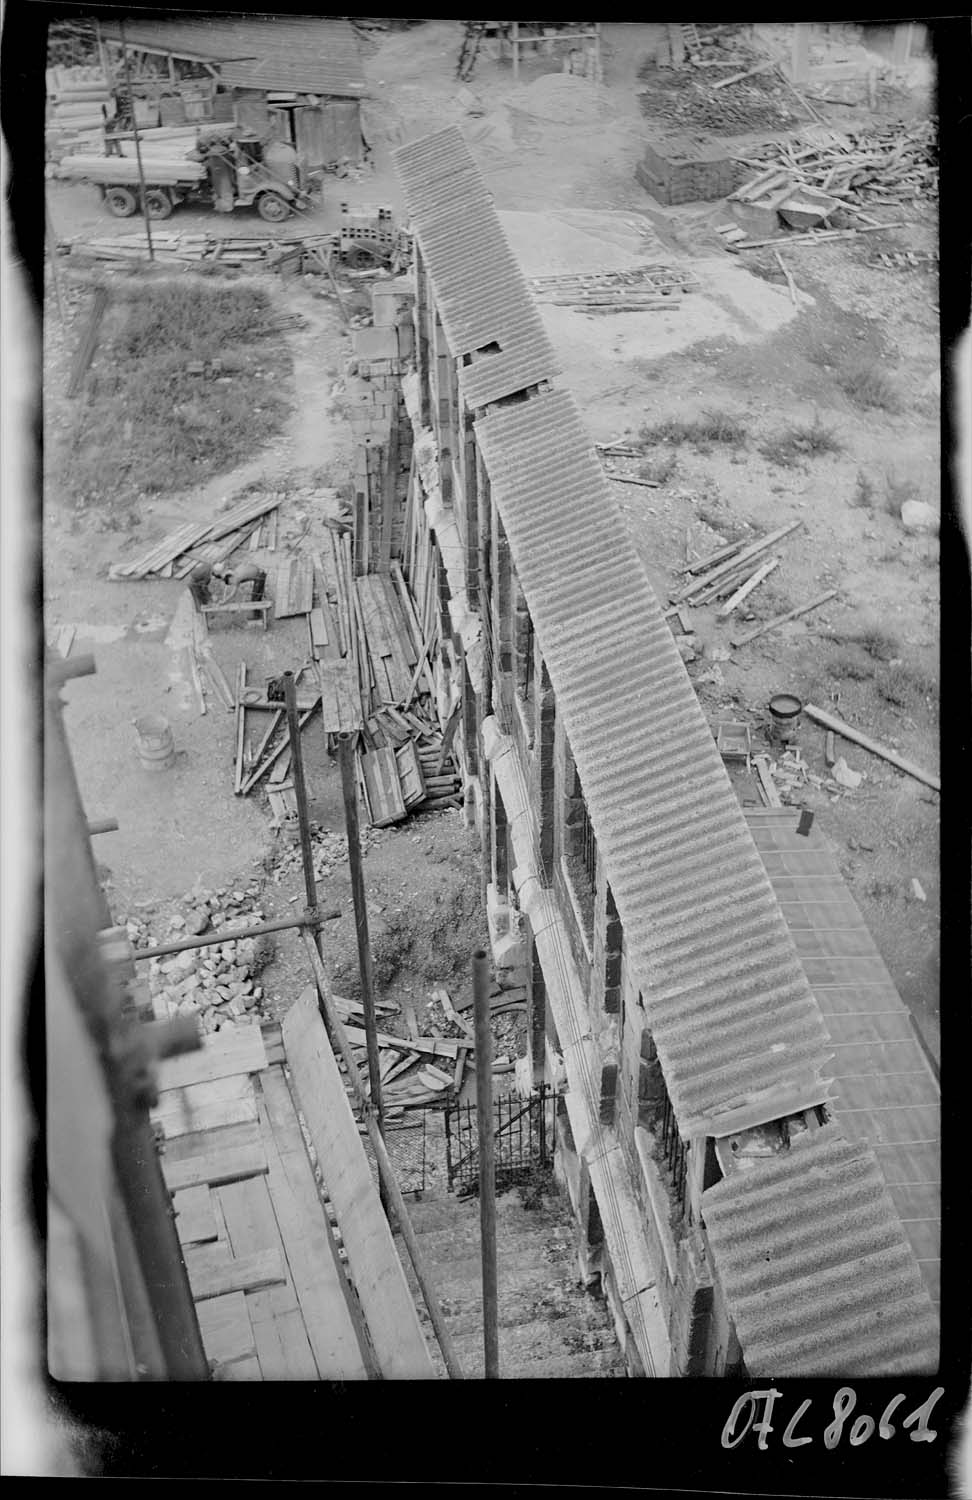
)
(218, 983)
(330, 851)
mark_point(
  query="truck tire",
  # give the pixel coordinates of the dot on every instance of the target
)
(272, 207)
(121, 202)
(158, 203)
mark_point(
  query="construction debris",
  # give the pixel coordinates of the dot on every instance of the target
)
(897, 165)
(218, 984)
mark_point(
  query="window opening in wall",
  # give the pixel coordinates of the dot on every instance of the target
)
(580, 848)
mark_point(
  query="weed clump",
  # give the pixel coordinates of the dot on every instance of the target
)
(800, 442)
(869, 388)
(702, 432)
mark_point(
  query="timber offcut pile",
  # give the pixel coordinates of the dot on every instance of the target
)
(241, 252)
(846, 171)
(177, 554)
(416, 1071)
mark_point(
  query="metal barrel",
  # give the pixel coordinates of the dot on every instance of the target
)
(156, 747)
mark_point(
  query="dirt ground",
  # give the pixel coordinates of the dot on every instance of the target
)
(559, 155)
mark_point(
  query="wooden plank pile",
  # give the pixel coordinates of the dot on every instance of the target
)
(177, 554)
(731, 573)
(643, 288)
(374, 647)
(75, 97)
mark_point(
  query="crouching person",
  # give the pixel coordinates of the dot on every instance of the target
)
(243, 584)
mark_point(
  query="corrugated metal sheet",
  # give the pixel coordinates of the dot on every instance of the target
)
(480, 292)
(885, 1090)
(289, 54)
(816, 1269)
(728, 1002)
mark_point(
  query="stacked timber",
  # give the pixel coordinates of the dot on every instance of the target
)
(177, 554)
(76, 99)
(163, 171)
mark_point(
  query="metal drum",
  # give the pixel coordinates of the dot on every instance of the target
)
(156, 747)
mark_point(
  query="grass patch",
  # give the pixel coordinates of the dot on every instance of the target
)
(659, 470)
(865, 494)
(147, 426)
(869, 388)
(712, 428)
(846, 666)
(800, 442)
(878, 643)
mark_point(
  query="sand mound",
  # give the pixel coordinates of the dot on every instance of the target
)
(564, 98)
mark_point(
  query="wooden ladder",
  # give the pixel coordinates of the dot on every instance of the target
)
(471, 42)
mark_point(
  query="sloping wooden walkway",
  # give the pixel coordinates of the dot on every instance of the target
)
(886, 1091)
(267, 1273)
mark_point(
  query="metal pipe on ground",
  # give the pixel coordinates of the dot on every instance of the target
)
(231, 934)
(386, 1171)
(487, 1160)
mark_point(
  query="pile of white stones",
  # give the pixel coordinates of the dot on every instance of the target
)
(217, 983)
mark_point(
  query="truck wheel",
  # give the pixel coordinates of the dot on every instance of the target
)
(272, 207)
(121, 202)
(158, 203)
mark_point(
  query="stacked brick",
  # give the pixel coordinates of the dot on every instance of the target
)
(685, 169)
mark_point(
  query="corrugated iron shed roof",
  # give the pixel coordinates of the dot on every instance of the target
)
(480, 292)
(818, 1275)
(728, 1002)
(885, 1090)
(289, 54)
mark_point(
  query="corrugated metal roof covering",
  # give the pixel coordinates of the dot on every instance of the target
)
(817, 1272)
(728, 1002)
(885, 1090)
(290, 54)
(480, 292)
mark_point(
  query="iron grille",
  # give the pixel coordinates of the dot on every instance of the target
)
(523, 1132)
(675, 1153)
(588, 848)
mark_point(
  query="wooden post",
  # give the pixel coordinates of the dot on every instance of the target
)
(138, 144)
(487, 1161)
(516, 51)
(350, 790)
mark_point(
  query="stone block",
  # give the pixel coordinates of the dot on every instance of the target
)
(686, 169)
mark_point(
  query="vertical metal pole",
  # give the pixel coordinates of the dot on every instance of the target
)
(516, 51)
(300, 790)
(487, 1161)
(350, 789)
(138, 144)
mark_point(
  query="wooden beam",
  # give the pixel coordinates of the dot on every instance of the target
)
(213, 1272)
(791, 614)
(373, 1262)
(837, 726)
